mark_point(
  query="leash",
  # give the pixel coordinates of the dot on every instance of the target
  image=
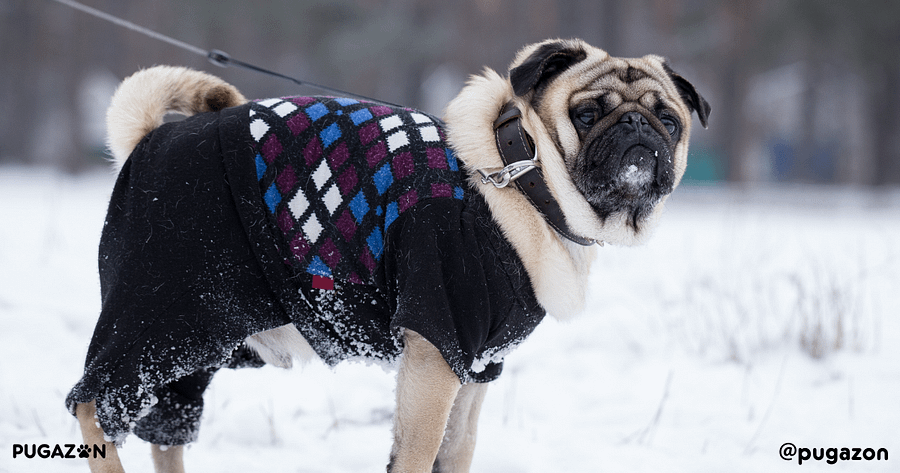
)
(219, 58)
(512, 141)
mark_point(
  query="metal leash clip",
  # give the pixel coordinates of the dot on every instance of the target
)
(510, 173)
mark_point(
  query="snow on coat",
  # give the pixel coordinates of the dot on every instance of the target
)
(349, 219)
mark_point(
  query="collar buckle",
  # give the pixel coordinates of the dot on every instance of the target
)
(519, 155)
(502, 177)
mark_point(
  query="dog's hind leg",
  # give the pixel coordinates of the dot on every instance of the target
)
(426, 388)
(455, 455)
(93, 435)
(168, 459)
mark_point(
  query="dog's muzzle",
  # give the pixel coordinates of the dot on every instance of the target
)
(631, 148)
(626, 163)
(646, 157)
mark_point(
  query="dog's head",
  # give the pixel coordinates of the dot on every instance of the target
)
(617, 130)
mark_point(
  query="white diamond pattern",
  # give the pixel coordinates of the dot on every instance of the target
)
(312, 229)
(298, 205)
(429, 133)
(389, 123)
(284, 109)
(419, 118)
(258, 129)
(332, 199)
(321, 175)
(269, 102)
(397, 141)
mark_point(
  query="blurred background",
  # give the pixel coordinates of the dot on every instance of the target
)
(801, 91)
(763, 311)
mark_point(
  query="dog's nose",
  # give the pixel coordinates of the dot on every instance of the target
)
(636, 121)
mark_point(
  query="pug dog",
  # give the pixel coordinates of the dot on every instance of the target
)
(340, 229)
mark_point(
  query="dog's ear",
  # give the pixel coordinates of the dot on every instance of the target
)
(545, 63)
(689, 94)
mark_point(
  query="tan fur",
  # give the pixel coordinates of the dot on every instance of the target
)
(436, 417)
(168, 459)
(426, 389)
(92, 434)
(143, 99)
(594, 76)
(281, 345)
(458, 446)
(558, 268)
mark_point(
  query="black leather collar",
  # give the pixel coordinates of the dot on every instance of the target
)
(515, 147)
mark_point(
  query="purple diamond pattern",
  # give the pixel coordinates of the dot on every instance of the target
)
(441, 190)
(286, 179)
(271, 149)
(346, 225)
(298, 123)
(376, 154)
(403, 165)
(368, 133)
(339, 156)
(313, 151)
(348, 181)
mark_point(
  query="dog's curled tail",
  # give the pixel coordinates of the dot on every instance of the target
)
(143, 99)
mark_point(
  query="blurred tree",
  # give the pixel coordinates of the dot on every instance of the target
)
(737, 58)
(862, 36)
(18, 51)
(387, 49)
(880, 50)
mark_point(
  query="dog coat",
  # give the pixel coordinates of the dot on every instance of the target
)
(351, 220)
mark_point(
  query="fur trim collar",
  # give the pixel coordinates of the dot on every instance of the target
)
(558, 268)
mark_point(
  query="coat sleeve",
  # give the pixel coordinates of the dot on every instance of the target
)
(440, 285)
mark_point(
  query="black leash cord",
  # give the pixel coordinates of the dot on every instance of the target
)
(219, 58)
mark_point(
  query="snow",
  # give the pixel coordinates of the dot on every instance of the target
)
(751, 319)
(634, 177)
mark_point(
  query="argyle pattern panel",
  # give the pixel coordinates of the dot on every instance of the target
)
(335, 173)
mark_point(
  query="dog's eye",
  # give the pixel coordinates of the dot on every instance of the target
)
(670, 124)
(586, 117)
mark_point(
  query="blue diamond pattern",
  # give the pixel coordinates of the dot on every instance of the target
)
(330, 135)
(317, 111)
(272, 198)
(391, 214)
(360, 116)
(383, 178)
(451, 160)
(317, 267)
(376, 244)
(260, 167)
(359, 207)
(344, 101)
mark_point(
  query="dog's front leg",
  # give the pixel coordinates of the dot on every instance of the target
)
(168, 459)
(455, 455)
(93, 435)
(426, 389)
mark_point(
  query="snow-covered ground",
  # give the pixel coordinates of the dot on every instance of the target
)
(751, 319)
